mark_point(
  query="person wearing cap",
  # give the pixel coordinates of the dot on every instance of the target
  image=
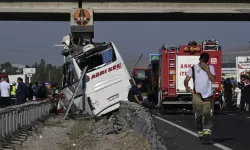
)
(203, 75)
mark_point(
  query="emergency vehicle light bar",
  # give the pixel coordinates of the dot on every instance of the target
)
(192, 49)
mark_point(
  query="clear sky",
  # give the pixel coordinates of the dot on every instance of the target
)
(27, 42)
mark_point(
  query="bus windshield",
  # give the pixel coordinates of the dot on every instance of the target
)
(99, 59)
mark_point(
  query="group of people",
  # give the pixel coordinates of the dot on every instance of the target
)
(241, 90)
(18, 93)
(10, 92)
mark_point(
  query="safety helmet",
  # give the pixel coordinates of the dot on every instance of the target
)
(13, 82)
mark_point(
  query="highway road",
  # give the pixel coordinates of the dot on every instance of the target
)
(230, 132)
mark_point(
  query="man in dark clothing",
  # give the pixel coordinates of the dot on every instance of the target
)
(244, 91)
(228, 93)
(30, 92)
(21, 91)
(36, 88)
(134, 94)
(42, 91)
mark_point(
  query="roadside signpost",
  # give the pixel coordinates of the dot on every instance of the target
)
(29, 72)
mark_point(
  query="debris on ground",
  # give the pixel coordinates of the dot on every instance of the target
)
(83, 134)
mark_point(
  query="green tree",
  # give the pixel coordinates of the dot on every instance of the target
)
(47, 73)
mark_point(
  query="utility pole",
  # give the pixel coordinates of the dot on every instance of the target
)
(79, 3)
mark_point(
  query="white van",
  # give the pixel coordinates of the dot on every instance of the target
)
(107, 78)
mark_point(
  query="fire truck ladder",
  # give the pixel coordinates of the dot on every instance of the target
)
(171, 54)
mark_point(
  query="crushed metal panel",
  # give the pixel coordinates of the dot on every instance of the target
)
(82, 21)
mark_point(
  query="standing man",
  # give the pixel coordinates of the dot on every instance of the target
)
(36, 89)
(5, 92)
(203, 75)
(244, 82)
(228, 93)
(30, 92)
(21, 91)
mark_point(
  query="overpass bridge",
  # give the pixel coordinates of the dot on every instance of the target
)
(129, 10)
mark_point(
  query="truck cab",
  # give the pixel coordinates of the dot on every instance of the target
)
(141, 75)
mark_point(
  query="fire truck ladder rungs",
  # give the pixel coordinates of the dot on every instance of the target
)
(171, 71)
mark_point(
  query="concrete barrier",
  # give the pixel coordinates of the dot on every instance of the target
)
(136, 117)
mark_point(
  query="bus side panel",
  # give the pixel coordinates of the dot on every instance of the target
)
(108, 89)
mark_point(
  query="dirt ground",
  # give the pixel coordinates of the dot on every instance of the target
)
(59, 134)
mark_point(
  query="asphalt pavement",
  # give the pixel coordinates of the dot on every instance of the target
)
(230, 132)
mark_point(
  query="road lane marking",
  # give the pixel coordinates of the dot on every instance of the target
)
(192, 133)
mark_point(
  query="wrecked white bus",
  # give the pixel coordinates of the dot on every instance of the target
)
(107, 78)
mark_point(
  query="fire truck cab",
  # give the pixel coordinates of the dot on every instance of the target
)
(141, 75)
(173, 65)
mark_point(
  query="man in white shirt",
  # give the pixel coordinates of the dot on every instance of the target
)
(5, 92)
(203, 75)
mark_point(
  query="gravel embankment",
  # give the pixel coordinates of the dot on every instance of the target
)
(59, 134)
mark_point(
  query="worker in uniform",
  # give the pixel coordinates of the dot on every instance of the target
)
(203, 75)
(13, 91)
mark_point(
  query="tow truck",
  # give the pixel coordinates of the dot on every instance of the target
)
(174, 63)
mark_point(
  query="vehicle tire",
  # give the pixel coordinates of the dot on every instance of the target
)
(162, 109)
(159, 98)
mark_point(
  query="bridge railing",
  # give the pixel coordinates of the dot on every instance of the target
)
(14, 119)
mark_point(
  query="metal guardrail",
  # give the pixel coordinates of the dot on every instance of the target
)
(14, 119)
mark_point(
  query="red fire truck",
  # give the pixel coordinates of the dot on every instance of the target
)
(3, 75)
(173, 65)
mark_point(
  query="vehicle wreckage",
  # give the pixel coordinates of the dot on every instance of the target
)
(99, 66)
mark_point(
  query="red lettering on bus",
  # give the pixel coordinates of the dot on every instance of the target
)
(102, 72)
(109, 69)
